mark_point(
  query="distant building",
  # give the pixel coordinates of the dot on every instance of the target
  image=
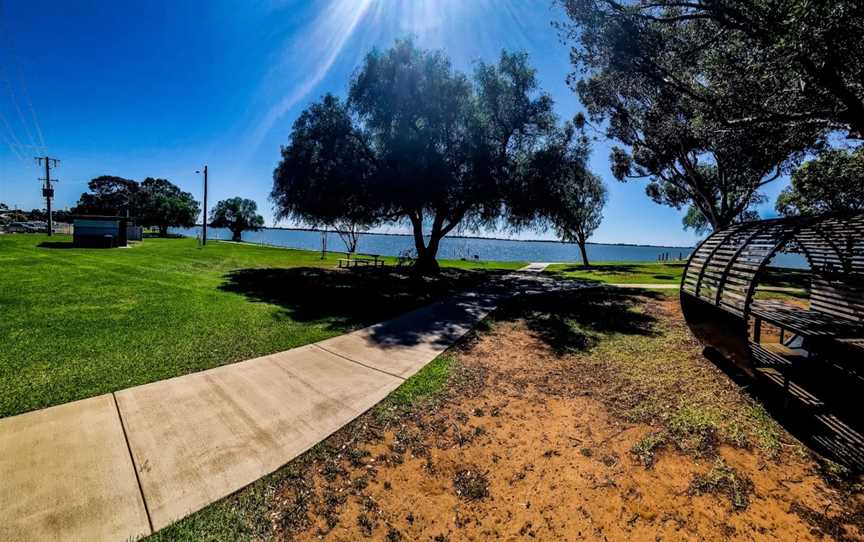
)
(105, 231)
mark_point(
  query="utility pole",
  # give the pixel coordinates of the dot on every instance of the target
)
(47, 189)
(324, 243)
(204, 221)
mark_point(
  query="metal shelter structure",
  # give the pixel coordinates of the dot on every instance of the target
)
(721, 276)
(719, 302)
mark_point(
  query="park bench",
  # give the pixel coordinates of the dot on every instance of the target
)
(360, 260)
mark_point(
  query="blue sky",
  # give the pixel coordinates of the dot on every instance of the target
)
(160, 88)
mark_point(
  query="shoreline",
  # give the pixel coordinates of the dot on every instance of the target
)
(315, 230)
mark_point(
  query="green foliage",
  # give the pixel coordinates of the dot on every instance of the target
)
(833, 182)
(324, 175)
(693, 427)
(581, 211)
(154, 202)
(417, 141)
(570, 198)
(110, 196)
(783, 62)
(162, 205)
(238, 215)
(669, 87)
(646, 448)
(724, 480)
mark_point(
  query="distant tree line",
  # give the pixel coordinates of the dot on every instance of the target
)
(160, 204)
(154, 203)
(711, 100)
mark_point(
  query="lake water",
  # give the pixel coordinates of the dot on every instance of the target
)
(452, 248)
(455, 248)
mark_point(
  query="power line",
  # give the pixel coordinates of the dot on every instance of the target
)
(14, 144)
(8, 79)
(21, 118)
(11, 146)
(27, 99)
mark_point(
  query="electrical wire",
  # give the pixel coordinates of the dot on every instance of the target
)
(14, 144)
(37, 143)
(21, 118)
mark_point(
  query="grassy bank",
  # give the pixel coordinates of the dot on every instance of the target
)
(81, 322)
(622, 272)
(670, 273)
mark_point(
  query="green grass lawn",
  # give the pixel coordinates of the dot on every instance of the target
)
(670, 273)
(82, 322)
(622, 272)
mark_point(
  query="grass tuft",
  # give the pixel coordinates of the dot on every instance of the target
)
(471, 484)
(724, 480)
(647, 447)
(693, 428)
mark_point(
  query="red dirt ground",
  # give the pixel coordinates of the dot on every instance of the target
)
(554, 464)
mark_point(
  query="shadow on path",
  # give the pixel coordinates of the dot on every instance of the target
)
(348, 298)
(439, 325)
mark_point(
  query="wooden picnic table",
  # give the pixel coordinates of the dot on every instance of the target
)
(803, 322)
(373, 260)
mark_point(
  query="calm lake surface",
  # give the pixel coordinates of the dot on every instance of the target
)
(455, 248)
(452, 248)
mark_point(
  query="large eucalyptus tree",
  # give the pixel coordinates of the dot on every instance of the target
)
(416, 142)
(681, 92)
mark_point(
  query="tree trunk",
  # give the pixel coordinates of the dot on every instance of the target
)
(584, 253)
(235, 235)
(427, 259)
(427, 262)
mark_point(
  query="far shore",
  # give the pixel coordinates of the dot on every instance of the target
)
(486, 238)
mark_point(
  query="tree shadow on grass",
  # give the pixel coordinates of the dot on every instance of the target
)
(616, 269)
(787, 278)
(347, 299)
(576, 320)
(56, 244)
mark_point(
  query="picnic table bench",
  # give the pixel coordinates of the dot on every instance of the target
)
(806, 323)
(719, 303)
(812, 336)
(364, 260)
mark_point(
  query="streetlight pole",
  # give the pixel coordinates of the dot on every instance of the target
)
(204, 220)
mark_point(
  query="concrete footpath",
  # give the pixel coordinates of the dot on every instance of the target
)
(536, 267)
(124, 465)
